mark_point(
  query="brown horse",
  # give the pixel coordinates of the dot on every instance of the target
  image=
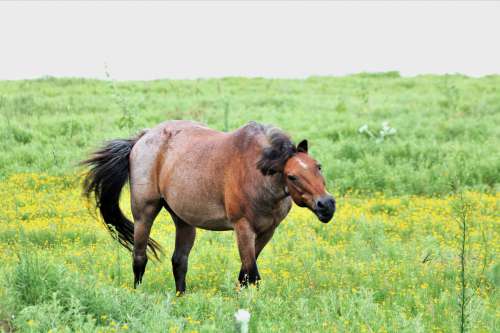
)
(243, 181)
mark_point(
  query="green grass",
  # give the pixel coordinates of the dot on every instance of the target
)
(446, 125)
(390, 260)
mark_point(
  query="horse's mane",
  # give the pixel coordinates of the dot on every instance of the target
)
(280, 149)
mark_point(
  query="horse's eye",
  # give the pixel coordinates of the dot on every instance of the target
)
(319, 167)
(292, 178)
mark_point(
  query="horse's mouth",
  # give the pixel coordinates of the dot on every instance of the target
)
(324, 216)
(324, 208)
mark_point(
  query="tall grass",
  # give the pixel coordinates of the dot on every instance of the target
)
(47, 296)
(462, 209)
(127, 119)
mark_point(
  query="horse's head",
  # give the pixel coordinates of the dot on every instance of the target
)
(301, 173)
(306, 184)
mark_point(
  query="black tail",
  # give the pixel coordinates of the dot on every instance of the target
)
(109, 171)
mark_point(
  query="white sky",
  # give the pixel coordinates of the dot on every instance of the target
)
(278, 39)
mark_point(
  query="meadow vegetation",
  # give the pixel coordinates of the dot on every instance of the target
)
(404, 156)
(447, 126)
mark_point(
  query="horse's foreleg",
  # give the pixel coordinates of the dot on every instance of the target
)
(245, 236)
(184, 240)
(260, 242)
(144, 214)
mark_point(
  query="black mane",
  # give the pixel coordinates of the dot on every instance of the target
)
(274, 157)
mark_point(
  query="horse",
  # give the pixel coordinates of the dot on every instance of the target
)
(244, 180)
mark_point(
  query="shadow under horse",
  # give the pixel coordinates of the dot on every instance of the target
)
(244, 181)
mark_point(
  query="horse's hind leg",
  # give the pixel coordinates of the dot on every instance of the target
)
(144, 212)
(184, 240)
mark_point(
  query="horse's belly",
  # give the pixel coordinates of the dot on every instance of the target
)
(216, 225)
(201, 213)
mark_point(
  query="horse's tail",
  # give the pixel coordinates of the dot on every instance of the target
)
(109, 171)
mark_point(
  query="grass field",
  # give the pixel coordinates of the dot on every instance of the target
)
(390, 261)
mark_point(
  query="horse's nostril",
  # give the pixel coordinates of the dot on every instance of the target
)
(325, 208)
(325, 203)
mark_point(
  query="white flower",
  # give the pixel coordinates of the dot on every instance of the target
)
(242, 318)
(363, 128)
(242, 315)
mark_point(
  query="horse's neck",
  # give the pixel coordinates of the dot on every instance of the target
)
(274, 189)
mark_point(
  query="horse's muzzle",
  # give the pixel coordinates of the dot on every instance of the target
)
(325, 208)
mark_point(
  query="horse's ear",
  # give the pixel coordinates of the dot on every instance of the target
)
(302, 146)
